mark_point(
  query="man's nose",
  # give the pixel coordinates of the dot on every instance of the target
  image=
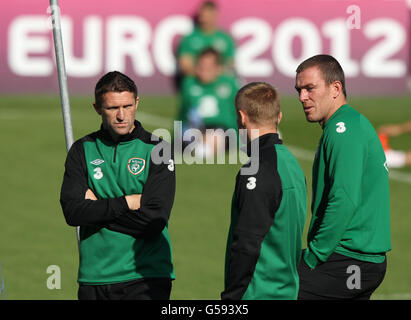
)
(120, 114)
(303, 95)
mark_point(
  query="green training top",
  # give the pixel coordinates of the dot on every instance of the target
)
(197, 41)
(213, 102)
(350, 192)
(268, 214)
(118, 244)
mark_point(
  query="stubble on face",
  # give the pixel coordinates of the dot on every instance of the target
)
(314, 94)
(118, 112)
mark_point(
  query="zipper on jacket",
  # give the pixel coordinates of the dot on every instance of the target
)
(115, 152)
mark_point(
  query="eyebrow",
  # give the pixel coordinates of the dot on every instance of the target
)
(304, 86)
(127, 105)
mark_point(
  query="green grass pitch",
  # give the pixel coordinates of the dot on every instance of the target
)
(34, 235)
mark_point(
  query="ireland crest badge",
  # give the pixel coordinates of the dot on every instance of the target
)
(136, 165)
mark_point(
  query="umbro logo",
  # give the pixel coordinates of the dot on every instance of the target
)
(97, 162)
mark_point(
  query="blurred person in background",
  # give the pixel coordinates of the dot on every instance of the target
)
(207, 100)
(206, 34)
(349, 232)
(121, 199)
(395, 158)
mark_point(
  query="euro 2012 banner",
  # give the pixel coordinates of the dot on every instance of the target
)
(370, 38)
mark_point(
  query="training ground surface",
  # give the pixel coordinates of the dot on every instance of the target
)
(34, 235)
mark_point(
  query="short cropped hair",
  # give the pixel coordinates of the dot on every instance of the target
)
(329, 67)
(213, 52)
(260, 101)
(113, 81)
(209, 5)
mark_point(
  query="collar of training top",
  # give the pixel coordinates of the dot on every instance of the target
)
(126, 137)
(265, 141)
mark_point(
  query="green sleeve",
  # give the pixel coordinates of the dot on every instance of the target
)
(235, 87)
(185, 46)
(229, 54)
(344, 154)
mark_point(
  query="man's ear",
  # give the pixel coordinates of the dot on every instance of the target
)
(137, 100)
(337, 89)
(243, 117)
(280, 116)
(98, 109)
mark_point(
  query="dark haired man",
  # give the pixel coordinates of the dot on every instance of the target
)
(121, 199)
(349, 232)
(268, 208)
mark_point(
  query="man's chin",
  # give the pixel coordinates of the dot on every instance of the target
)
(310, 118)
(118, 132)
(122, 131)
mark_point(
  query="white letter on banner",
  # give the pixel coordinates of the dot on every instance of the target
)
(129, 36)
(163, 41)
(283, 50)
(21, 44)
(91, 62)
(376, 62)
(340, 45)
(246, 60)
